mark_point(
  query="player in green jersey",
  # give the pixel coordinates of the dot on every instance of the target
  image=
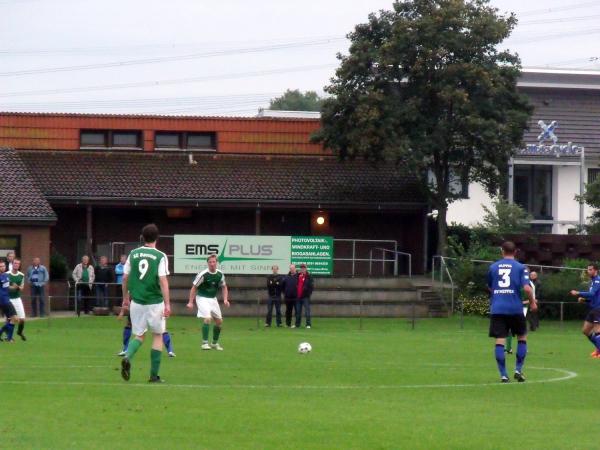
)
(146, 295)
(17, 283)
(204, 292)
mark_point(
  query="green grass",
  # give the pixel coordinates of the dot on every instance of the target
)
(373, 388)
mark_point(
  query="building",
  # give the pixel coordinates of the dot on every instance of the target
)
(97, 179)
(562, 152)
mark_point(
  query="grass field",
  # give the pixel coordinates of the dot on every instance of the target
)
(385, 386)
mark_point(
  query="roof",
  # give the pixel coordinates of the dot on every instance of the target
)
(168, 179)
(560, 79)
(22, 201)
(289, 114)
(577, 114)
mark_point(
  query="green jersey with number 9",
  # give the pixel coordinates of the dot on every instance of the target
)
(144, 266)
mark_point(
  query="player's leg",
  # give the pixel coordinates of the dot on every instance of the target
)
(591, 329)
(166, 337)
(139, 326)
(508, 347)
(499, 331)
(156, 324)
(18, 304)
(126, 336)
(519, 327)
(218, 318)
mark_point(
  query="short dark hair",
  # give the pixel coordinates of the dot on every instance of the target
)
(211, 256)
(509, 248)
(150, 233)
(594, 265)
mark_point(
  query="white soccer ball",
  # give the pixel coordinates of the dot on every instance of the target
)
(304, 347)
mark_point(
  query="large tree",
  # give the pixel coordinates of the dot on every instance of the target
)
(295, 100)
(425, 86)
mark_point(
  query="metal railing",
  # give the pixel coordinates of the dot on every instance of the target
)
(396, 253)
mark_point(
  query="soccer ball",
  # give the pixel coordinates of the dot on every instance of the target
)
(304, 347)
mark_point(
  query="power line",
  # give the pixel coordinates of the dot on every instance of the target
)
(170, 82)
(551, 10)
(559, 20)
(133, 62)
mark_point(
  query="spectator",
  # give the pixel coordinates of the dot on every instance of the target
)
(103, 275)
(10, 257)
(289, 287)
(305, 289)
(274, 282)
(84, 276)
(119, 268)
(533, 316)
(37, 277)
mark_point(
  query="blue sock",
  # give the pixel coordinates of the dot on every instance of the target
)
(521, 354)
(167, 341)
(595, 339)
(501, 360)
(10, 328)
(126, 337)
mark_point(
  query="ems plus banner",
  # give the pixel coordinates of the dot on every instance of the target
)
(253, 255)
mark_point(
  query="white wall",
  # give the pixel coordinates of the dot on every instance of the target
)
(469, 211)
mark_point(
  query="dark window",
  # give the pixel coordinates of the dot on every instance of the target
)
(533, 190)
(168, 140)
(126, 139)
(593, 175)
(94, 138)
(10, 243)
(200, 140)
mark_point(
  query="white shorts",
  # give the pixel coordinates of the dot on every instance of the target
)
(18, 304)
(147, 317)
(208, 307)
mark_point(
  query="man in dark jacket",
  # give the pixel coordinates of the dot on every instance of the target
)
(305, 289)
(289, 287)
(104, 274)
(274, 282)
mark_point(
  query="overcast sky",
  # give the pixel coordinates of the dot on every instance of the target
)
(221, 57)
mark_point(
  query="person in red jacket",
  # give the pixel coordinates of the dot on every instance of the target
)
(305, 290)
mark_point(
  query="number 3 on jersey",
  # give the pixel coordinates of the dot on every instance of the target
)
(143, 267)
(505, 281)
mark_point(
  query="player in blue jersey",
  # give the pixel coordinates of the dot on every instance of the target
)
(6, 306)
(506, 278)
(591, 325)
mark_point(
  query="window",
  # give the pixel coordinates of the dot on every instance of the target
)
(533, 190)
(126, 139)
(93, 138)
(165, 140)
(10, 243)
(110, 139)
(593, 175)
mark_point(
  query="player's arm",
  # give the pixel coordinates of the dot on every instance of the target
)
(532, 301)
(124, 289)
(164, 289)
(191, 297)
(225, 295)
(588, 295)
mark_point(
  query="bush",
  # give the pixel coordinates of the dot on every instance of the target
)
(477, 305)
(555, 287)
(59, 268)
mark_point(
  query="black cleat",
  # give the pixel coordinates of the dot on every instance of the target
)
(519, 377)
(508, 351)
(125, 369)
(22, 336)
(155, 379)
(504, 380)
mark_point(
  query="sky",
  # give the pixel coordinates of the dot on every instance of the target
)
(198, 57)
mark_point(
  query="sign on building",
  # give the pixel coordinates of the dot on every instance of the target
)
(253, 255)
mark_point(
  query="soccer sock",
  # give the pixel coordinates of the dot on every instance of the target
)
(205, 331)
(133, 347)
(501, 360)
(10, 329)
(595, 339)
(3, 329)
(167, 341)
(216, 334)
(521, 353)
(154, 362)
(126, 337)
(509, 343)
(20, 328)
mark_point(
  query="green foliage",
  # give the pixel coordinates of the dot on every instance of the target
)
(59, 267)
(474, 305)
(505, 218)
(294, 100)
(426, 86)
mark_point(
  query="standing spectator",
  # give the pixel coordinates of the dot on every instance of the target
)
(305, 288)
(10, 257)
(37, 277)
(119, 270)
(533, 316)
(84, 276)
(289, 287)
(274, 282)
(103, 274)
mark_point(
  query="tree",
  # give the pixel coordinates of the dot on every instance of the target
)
(294, 100)
(505, 218)
(591, 197)
(425, 86)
